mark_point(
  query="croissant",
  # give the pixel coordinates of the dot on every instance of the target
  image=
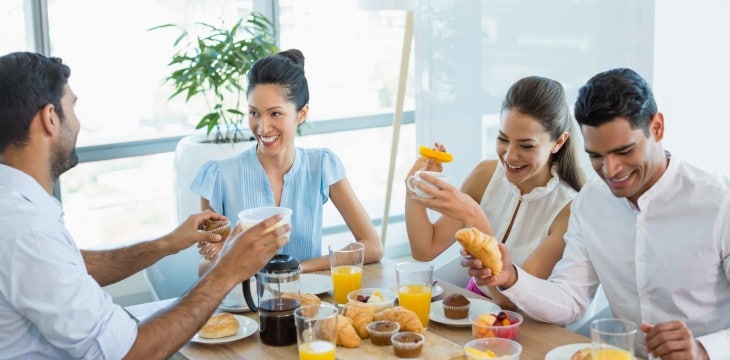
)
(304, 300)
(407, 319)
(361, 316)
(346, 334)
(481, 246)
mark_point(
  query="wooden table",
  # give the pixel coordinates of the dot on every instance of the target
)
(536, 338)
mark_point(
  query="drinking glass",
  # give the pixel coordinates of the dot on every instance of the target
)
(613, 339)
(414, 288)
(346, 260)
(316, 331)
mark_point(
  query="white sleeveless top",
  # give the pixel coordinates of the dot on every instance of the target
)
(536, 213)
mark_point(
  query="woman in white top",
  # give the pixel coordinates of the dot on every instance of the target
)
(523, 198)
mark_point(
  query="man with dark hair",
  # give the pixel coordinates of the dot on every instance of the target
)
(652, 230)
(51, 301)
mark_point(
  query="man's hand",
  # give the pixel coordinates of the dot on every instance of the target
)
(245, 252)
(188, 232)
(483, 275)
(672, 340)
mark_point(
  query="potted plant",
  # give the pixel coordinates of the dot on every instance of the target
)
(211, 64)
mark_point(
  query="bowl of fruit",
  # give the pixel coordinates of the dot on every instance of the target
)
(504, 324)
(493, 348)
(378, 299)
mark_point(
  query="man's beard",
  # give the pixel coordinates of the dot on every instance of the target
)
(61, 163)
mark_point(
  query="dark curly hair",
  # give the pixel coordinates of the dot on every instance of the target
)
(28, 82)
(616, 93)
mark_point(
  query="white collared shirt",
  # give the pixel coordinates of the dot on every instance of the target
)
(667, 260)
(50, 307)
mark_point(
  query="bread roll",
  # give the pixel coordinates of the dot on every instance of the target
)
(481, 246)
(582, 354)
(219, 325)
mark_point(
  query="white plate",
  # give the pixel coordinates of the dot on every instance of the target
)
(235, 309)
(477, 306)
(234, 301)
(565, 352)
(314, 284)
(436, 290)
(246, 327)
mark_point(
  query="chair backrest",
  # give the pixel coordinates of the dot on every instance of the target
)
(173, 275)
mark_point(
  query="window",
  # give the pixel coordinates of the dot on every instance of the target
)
(117, 65)
(352, 59)
(119, 201)
(13, 27)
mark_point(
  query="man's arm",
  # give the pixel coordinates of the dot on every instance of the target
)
(161, 335)
(110, 266)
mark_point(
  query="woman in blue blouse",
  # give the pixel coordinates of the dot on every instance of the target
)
(276, 173)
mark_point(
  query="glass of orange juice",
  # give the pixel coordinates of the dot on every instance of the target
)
(346, 258)
(414, 288)
(613, 339)
(316, 331)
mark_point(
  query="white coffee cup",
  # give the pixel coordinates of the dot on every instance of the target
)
(417, 177)
(234, 299)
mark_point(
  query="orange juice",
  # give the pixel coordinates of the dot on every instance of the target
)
(612, 354)
(418, 299)
(345, 278)
(317, 350)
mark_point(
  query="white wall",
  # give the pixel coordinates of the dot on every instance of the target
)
(692, 79)
(468, 53)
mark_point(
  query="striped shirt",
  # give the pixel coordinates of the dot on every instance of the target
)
(239, 182)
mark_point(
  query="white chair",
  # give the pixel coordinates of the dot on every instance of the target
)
(597, 309)
(452, 272)
(173, 275)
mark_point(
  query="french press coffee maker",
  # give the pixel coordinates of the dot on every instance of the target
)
(277, 287)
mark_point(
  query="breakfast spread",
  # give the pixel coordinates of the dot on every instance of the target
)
(456, 306)
(381, 331)
(496, 325)
(439, 156)
(481, 246)
(480, 353)
(407, 344)
(582, 354)
(219, 325)
(360, 316)
(407, 319)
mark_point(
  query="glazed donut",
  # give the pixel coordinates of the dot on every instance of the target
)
(219, 325)
(440, 156)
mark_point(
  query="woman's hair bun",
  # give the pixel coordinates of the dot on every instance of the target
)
(295, 55)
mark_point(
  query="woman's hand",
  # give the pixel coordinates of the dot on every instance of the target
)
(448, 200)
(210, 250)
(423, 163)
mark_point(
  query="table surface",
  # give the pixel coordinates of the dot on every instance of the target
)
(536, 338)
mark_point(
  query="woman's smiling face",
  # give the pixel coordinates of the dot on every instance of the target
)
(273, 119)
(524, 148)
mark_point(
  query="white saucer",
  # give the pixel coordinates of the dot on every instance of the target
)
(314, 284)
(436, 290)
(234, 309)
(477, 306)
(565, 352)
(246, 328)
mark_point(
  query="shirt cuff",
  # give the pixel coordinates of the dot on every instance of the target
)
(716, 344)
(521, 289)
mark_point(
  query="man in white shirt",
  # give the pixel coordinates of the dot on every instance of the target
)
(652, 230)
(51, 301)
